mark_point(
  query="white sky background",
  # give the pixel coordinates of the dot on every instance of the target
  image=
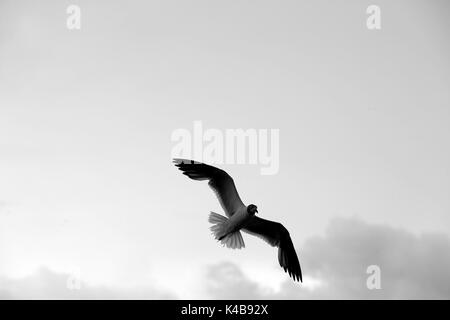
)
(86, 118)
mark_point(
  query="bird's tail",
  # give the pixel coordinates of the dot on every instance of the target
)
(232, 240)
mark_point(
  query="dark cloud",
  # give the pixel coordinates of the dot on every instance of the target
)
(46, 284)
(412, 267)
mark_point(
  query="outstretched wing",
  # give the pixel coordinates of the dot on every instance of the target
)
(220, 181)
(276, 235)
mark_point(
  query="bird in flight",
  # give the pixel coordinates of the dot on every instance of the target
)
(241, 217)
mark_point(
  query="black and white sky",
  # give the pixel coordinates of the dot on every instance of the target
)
(87, 187)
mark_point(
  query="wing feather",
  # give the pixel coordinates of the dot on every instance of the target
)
(219, 181)
(276, 235)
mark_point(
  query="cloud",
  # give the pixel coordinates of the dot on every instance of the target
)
(227, 281)
(412, 267)
(46, 284)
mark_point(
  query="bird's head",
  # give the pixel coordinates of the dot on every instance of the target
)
(252, 209)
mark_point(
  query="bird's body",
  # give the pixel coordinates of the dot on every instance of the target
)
(238, 220)
(227, 230)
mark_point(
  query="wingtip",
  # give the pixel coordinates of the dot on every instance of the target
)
(180, 161)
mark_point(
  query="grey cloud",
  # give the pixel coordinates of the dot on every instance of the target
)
(46, 284)
(412, 266)
(227, 281)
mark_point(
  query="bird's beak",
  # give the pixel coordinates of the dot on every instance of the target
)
(256, 211)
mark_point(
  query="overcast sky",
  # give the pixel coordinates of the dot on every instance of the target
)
(86, 118)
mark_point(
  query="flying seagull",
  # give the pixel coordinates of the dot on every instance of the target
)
(241, 217)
